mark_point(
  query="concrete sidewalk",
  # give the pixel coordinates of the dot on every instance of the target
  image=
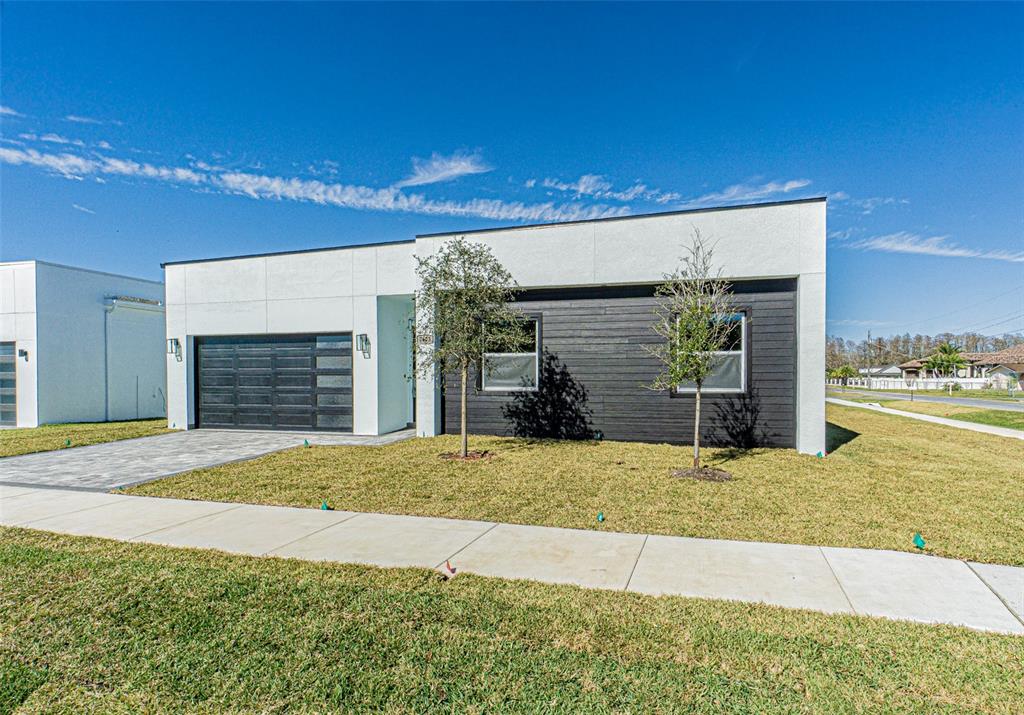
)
(958, 424)
(834, 580)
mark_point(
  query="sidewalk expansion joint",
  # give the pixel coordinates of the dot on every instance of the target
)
(995, 593)
(637, 561)
(182, 523)
(270, 552)
(472, 541)
(838, 582)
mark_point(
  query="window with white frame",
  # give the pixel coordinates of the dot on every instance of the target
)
(730, 372)
(515, 370)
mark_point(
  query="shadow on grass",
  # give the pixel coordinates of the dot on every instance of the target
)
(836, 436)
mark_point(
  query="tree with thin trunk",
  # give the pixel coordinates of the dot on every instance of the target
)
(694, 318)
(463, 311)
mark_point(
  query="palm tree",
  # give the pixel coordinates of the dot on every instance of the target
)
(946, 362)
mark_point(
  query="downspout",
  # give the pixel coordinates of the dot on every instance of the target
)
(108, 308)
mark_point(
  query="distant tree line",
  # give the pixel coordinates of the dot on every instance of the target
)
(896, 349)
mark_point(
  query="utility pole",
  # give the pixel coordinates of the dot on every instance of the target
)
(869, 359)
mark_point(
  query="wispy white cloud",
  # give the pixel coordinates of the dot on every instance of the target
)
(598, 187)
(747, 192)
(261, 186)
(79, 119)
(868, 205)
(75, 167)
(8, 112)
(83, 209)
(912, 243)
(443, 168)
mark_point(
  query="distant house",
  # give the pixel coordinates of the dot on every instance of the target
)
(1000, 367)
(1008, 367)
(78, 345)
(883, 371)
(977, 366)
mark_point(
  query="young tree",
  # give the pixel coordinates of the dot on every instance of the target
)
(693, 317)
(462, 312)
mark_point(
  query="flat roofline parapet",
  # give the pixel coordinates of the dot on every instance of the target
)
(655, 214)
(80, 269)
(288, 253)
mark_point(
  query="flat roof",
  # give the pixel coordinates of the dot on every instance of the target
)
(82, 270)
(764, 204)
(289, 253)
(653, 214)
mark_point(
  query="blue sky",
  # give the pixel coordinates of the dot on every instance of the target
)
(135, 134)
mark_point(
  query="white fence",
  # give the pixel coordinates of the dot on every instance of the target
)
(931, 383)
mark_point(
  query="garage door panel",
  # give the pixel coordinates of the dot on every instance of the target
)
(271, 382)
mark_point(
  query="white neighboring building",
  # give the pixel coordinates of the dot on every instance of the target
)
(78, 345)
(320, 339)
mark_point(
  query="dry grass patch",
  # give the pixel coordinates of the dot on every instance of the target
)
(50, 437)
(88, 625)
(886, 478)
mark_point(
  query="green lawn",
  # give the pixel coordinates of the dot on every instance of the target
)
(886, 478)
(980, 415)
(996, 418)
(88, 625)
(50, 437)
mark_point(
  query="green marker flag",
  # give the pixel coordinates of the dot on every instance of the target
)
(67, 443)
(600, 516)
(918, 540)
(305, 442)
(324, 507)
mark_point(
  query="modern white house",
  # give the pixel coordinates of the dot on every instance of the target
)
(322, 339)
(78, 345)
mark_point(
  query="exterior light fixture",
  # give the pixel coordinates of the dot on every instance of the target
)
(363, 344)
(174, 348)
(22, 353)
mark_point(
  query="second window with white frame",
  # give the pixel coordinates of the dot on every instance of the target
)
(730, 373)
(516, 370)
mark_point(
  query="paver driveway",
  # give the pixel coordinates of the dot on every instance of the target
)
(106, 466)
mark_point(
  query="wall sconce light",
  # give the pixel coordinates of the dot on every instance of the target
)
(22, 353)
(363, 344)
(174, 348)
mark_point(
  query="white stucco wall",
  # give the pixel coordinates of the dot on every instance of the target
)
(78, 368)
(57, 313)
(18, 325)
(770, 241)
(333, 290)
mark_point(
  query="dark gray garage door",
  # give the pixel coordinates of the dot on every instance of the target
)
(300, 382)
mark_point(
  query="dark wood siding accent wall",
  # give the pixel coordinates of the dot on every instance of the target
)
(598, 335)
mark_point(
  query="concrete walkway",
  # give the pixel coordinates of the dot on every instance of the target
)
(980, 402)
(102, 467)
(834, 580)
(958, 424)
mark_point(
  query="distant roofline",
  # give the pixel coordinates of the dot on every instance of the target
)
(655, 214)
(287, 253)
(83, 270)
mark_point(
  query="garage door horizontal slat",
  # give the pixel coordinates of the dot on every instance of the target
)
(271, 382)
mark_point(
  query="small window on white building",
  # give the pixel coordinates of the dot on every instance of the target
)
(515, 370)
(730, 373)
